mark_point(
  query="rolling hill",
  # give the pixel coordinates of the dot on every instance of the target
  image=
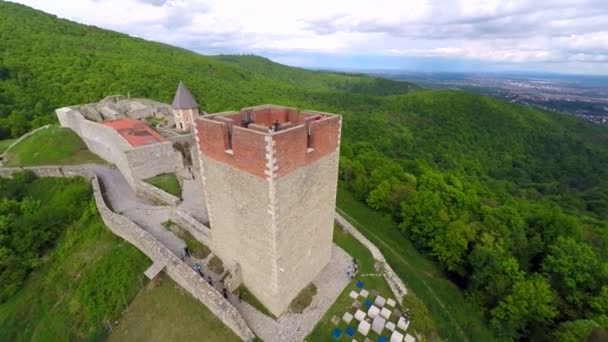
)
(510, 201)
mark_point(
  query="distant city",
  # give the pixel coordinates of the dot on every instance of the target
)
(583, 96)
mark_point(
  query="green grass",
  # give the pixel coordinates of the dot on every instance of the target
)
(216, 265)
(252, 300)
(367, 274)
(52, 146)
(164, 311)
(304, 298)
(195, 247)
(4, 144)
(167, 182)
(83, 282)
(456, 319)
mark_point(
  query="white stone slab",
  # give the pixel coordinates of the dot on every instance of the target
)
(409, 338)
(360, 315)
(364, 293)
(378, 324)
(347, 317)
(380, 301)
(364, 327)
(391, 302)
(396, 337)
(353, 295)
(373, 311)
(403, 323)
(390, 326)
(385, 313)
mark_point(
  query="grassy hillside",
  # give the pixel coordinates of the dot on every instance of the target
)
(52, 146)
(510, 202)
(318, 80)
(63, 275)
(162, 300)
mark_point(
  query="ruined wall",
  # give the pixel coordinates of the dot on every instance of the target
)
(178, 270)
(134, 163)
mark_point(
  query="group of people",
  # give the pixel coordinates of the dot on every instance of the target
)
(352, 269)
(198, 268)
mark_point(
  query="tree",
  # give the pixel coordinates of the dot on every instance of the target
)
(571, 266)
(530, 303)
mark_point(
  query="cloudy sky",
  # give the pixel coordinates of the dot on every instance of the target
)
(569, 36)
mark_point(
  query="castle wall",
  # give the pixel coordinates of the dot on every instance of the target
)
(155, 159)
(134, 163)
(304, 224)
(237, 204)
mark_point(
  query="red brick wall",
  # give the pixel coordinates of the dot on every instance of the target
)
(291, 144)
(249, 145)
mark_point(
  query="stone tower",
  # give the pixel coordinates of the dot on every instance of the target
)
(270, 176)
(185, 108)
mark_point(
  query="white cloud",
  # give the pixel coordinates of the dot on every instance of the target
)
(571, 32)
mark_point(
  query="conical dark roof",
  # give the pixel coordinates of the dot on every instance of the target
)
(183, 98)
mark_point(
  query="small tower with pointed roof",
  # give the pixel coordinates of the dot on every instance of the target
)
(185, 108)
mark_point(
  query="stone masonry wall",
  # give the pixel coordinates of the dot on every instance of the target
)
(178, 270)
(237, 205)
(148, 191)
(197, 229)
(151, 160)
(304, 225)
(134, 163)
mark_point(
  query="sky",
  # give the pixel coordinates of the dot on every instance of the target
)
(562, 36)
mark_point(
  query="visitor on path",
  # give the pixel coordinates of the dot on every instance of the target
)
(225, 293)
(186, 251)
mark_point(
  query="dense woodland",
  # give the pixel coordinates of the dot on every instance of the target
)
(511, 201)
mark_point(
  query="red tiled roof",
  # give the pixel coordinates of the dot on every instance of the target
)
(136, 133)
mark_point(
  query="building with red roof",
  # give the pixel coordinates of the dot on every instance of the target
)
(136, 133)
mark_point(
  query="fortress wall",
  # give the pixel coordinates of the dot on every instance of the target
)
(304, 224)
(178, 270)
(149, 191)
(152, 160)
(134, 163)
(182, 139)
(292, 148)
(101, 140)
(241, 228)
(193, 226)
(248, 146)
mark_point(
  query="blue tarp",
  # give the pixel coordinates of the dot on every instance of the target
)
(360, 284)
(350, 331)
(336, 333)
(382, 339)
(367, 303)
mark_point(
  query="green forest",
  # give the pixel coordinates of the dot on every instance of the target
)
(511, 201)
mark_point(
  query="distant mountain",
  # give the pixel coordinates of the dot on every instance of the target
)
(511, 201)
(319, 80)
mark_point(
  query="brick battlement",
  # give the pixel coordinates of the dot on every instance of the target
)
(240, 139)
